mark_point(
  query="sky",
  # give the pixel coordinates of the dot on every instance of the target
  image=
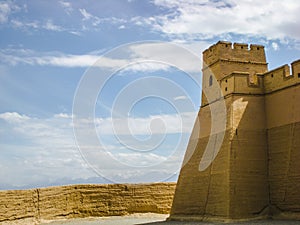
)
(108, 91)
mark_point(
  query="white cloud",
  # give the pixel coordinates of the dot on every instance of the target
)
(161, 52)
(67, 60)
(67, 6)
(4, 12)
(14, 117)
(139, 159)
(143, 57)
(77, 33)
(182, 97)
(63, 116)
(6, 8)
(29, 57)
(49, 141)
(121, 27)
(207, 19)
(87, 16)
(21, 24)
(93, 20)
(156, 124)
(48, 25)
(196, 47)
(146, 67)
(140, 57)
(275, 46)
(50, 152)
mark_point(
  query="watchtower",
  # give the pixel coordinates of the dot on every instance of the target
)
(235, 184)
(225, 60)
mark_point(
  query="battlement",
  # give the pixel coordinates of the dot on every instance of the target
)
(247, 64)
(282, 77)
(251, 83)
(236, 52)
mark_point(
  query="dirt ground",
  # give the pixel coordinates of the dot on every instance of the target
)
(153, 219)
(138, 219)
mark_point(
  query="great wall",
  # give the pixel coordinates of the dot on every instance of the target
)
(255, 174)
(77, 201)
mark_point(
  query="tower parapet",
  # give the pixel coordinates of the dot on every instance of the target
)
(239, 52)
(282, 77)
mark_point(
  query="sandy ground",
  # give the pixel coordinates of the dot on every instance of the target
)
(139, 219)
(135, 219)
(153, 219)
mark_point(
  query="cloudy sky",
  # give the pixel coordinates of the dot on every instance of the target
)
(53, 55)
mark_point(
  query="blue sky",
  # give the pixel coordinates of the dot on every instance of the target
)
(46, 48)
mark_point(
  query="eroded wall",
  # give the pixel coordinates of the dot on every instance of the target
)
(85, 200)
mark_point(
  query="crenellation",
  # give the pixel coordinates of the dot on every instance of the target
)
(234, 52)
(296, 68)
(281, 77)
(239, 58)
(254, 47)
(240, 46)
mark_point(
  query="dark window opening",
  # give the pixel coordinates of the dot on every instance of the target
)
(210, 80)
(226, 89)
(272, 75)
(257, 48)
(226, 46)
(242, 47)
(226, 81)
(298, 75)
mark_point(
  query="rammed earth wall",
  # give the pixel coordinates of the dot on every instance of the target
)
(86, 200)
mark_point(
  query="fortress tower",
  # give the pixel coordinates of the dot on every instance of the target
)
(255, 173)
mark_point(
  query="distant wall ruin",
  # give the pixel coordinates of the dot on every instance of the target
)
(85, 200)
